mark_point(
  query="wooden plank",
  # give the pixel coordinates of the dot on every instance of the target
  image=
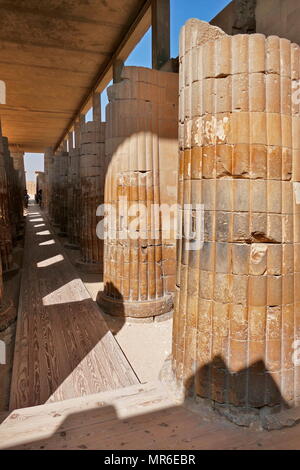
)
(28, 424)
(145, 416)
(64, 348)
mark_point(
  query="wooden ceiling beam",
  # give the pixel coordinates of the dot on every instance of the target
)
(130, 39)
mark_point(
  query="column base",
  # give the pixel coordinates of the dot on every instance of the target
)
(90, 268)
(8, 315)
(135, 309)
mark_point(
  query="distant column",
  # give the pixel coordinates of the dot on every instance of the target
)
(56, 200)
(63, 189)
(48, 162)
(18, 163)
(18, 160)
(92, 159)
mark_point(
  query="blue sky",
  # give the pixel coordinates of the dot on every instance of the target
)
(181, 11)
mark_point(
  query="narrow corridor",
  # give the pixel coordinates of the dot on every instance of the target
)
(64, 348)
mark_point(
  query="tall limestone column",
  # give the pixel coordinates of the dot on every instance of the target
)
(142, 162)
(92, 175)
(237, 305)
(59, 189)
(7, 309)
(6, 245)
(12, 189)
(47, 190)
(49, 199)
(18, 160)
(41, 185)
(1, 285)
(63, 160)
(18, 163)
(55, 200)
(74, 186)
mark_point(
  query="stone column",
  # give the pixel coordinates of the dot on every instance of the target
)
(40, 185)
(5, 223)
(47, 189)
(12, 190)
(236, 310)
(142, 159)
(59, 188)
(56, 189)
(1, 285)
(7, 308)
(74, 188)
(18, 161)
(63, 160)
(92, 159)
(20, 185)
(50, 178)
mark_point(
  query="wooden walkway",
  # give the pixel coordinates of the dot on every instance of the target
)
(137, 417)
(64, 348)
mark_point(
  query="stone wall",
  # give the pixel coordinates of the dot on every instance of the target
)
(269, 17)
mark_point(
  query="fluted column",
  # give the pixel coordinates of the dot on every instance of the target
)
(59, 188)
(47, 189)
(50, 178)
(63, 189)
(141, 151)
(236, 311)
(5, 223)
(56, 201)
(92, 159)
(1, 285)
(74, 187)
(41, 185)
(12, 190)
(18, 163)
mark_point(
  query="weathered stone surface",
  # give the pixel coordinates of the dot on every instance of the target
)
(141, 151)
(48, 168)
(234, 323)
(41, 185)
(11, 204)
(91, 194)
(73, 223)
